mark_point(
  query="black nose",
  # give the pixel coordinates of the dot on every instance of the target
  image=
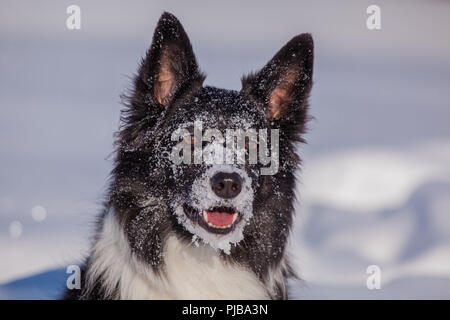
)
(226, 185)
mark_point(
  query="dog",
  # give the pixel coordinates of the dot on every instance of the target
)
(201, 230)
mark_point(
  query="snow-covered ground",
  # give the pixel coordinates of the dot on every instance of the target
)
(389, 208)
(375, 189)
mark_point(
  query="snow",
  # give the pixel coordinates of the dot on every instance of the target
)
(404, 229)
(374, 178)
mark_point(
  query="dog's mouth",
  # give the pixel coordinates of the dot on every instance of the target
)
(221, 220)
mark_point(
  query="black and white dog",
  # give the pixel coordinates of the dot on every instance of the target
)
(201, 230)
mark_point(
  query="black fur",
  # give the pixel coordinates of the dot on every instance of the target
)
(141, 172)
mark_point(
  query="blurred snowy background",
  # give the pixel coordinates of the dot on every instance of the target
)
(376, 181)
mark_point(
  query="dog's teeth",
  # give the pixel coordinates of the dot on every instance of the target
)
(218, 227)
(211, 225)
(205, 218)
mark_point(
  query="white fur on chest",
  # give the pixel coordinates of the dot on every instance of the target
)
(189, 272)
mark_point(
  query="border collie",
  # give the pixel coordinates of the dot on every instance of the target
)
(193, 227)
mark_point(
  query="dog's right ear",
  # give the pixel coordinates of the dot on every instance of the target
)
(169, 67)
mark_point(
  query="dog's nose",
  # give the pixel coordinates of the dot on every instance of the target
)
(226, 185)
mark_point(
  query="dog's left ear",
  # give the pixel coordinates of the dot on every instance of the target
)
(284, 84)
(170, 65)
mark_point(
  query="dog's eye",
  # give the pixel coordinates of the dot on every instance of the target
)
(250, 145)
(189, 139)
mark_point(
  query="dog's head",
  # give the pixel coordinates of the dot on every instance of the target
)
(212, 165)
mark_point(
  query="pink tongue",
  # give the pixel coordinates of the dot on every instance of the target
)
(220, 218)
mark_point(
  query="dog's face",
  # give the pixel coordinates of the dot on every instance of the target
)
(213, 198)
(213, 165)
